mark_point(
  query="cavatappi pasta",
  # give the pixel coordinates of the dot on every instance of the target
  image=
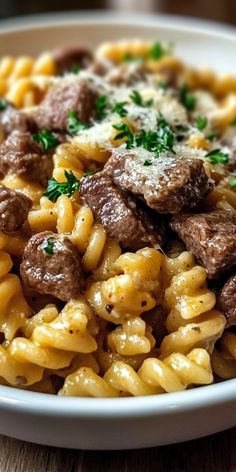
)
(103, 292)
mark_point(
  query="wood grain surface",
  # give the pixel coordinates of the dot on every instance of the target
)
(212, 454)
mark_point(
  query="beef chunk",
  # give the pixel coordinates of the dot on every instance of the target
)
(62, 98)
(120, 214)
(51, 265)
(226, 300)
(168, 185)
(14, 208)
(22, 156)
(126, 74)
(12, 119)
(210, 237)
(67, 58)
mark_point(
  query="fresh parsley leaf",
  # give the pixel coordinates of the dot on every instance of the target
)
(217, 157)
(55, 188)
(212, 135)
(47, 139)
(125, 132)
(49, 246)
(127, 57)
(101, 104)
(162, 84)
(187, 98)
(233, 122)
(75, 68)
(147, 163)
(201, 122)
(233, 181)
(157, 51)
(73, 124)
(119, 108)
(3, 104)
(138, 100)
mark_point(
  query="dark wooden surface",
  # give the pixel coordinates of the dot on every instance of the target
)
(215, 453)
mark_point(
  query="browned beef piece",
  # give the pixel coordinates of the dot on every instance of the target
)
(226, 300)
(51, 265)
(12, 119)
(62, 98)
(14, 208)
(120, 214)
(67, 58)
(24, 157)
(126, 74)
(210, 237)
(168, 185)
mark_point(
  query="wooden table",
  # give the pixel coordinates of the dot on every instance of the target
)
(212, 454)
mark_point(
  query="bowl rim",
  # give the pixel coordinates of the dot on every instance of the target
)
(84, 407)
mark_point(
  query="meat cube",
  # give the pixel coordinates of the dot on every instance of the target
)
(14, 208)
(120, 214)
(226, 300)
(51, 265)
(12, 119)
(210, 237)
(22, 156)
(166, 184)
(62, 98)
(67, 58)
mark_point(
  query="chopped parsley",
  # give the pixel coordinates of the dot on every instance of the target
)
(101, 105)
(138, 100)
(55, 188)
(217, 157)
(3, 104)
(162, 84)
(212, 135)
(233, 122)
(47, 139)
(154, 141)
(119, 108)
(201, 122)
(187, 98)
(73, 124)
(48, 248)
(147, 163)
(125, 132)
(128, 57)
(157, 51)
(233, 181)
(75, 69)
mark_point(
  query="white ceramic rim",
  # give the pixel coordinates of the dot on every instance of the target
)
(162, 404)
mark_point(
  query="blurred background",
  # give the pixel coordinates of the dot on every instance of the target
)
(220, 10)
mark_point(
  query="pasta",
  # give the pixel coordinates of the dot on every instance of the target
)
(106, 161)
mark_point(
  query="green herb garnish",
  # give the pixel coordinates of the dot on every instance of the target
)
(127, 57)
(138, 100)
(201, 122)
(217, 157)
(47, 139)
(187, 98)
(75, 69)
(233, 122)
(55, 188)
(119, 108)
(125, 132)
(49, 246)
(162, 84)
(157, 51)
(212, 135)
(3, 104)
(101, 104)
(233, 181)
(73, 124)
(147, 163)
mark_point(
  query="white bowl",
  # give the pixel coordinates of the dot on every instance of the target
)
(122, 423)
